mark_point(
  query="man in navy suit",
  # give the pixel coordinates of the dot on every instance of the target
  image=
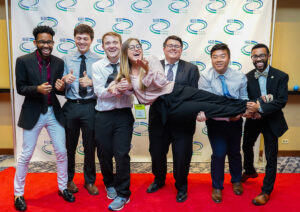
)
(178, 133)
(37, 76)
(263, 80)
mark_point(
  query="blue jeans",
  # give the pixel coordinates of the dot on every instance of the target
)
(58, 138)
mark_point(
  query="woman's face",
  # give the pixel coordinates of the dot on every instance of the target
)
(135, 51)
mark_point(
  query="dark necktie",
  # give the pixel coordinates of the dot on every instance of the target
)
(224, 86)
(170, 74)
(113, 75)
(257, 74)
(82, 90)
(44, 79)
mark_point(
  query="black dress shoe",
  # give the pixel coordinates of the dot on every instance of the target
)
(67, 195)
(20, 204)
(154, 187)
(181, 196)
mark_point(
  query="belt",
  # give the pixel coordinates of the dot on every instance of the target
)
(82, 101)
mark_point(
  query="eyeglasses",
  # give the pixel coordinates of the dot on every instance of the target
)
(135, 47)
(171, 46)
(44, 42)
(262, 56)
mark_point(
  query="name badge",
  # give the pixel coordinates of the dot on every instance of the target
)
(140, 111)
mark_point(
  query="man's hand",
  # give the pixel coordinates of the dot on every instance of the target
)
(69, 78)
(44, 88)
(85, 81)
(60, 85)
(123, 85)
(201, 116)
(235, 118)
(253, 107)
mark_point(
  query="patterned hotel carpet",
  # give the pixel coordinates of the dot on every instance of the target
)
(284, 165)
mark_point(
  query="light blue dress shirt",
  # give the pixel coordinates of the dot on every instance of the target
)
(72, 62)
(262, 80)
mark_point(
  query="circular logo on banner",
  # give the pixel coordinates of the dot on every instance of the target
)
(28, 4)
(236, 65)
(141, 6)
(65, 45)
(146, 45)
(140, 128)
(88, 21)
(233, 27)
(48, 21)
(80, 149)
(197, 26)
(211, 43)
(185, 45)
(66, 5)
(204, 130)
(46, 148)
(122, 26)
(216, 6)
(246, 50)
(104, 5)
(252, 6)
(160, 26)
(198, 146)
(27, 45)
(179, 6)
(201, 65)
(98, 47)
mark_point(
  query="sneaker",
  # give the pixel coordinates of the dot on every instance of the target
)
(118, 203)
(111, 192)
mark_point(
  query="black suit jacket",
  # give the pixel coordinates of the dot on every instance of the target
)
(28, 77)
(187, 75)
(277, 84)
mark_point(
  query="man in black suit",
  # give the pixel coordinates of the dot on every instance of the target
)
(263, 80)
(36, 79)
(180, 134)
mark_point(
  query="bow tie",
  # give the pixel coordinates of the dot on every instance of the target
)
(258, 74)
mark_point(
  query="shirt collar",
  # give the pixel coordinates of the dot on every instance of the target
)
(78, 54)
(107, 62)
(216, 74)
(166, 63)
(266, 70)
(40, 59)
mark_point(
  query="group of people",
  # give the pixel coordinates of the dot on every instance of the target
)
(99, 93)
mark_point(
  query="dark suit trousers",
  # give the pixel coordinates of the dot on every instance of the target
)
(225, 139)
(186, 102)
(113, 133)
(251, 131)
(80, 116)
(181, 137)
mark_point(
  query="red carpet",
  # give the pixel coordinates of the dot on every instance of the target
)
(41, 194)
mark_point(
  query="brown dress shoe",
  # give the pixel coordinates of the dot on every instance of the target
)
(72, 187)
(245, 176)
(238, 188)
(92, 189)
(216, 195)
(261, 199)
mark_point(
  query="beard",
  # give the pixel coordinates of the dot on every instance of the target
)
(259, 68)
(43, 55)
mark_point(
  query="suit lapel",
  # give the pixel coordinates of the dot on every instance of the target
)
(270, 79)
(53, 65)
(35, 67)
(255, 84)
(179, 70)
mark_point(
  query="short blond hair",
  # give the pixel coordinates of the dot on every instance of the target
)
(112, 34)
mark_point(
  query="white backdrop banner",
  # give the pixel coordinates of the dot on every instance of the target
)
(200, 23)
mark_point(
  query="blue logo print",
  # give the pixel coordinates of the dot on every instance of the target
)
(122, 26)
(236, 65)
(65, 45)
(179, 6)
(246, 50)
(48, 21)
(201, 65)
(252, 6)
(80, 149)
(27, 45)
(233, 27)
(185, 45)
(204, 130)
(159, 26)
(198, 146)
(28, 5)
(216, 6)
(211, 43)
(141, 6)
(88, 21)
(104, 5)
(66, 5)
(197, 26)
(45, 148)
(146, 45)
(98, 47)
(140, 129)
